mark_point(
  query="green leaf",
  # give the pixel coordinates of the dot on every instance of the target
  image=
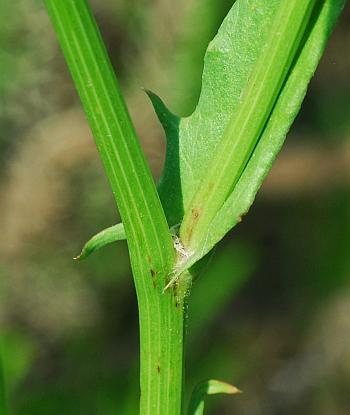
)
(273, 136)
(232, 58)
(228, 62)
(209, 387)
(248, 118)
(169, 187)
(192, 141)
(105, 237)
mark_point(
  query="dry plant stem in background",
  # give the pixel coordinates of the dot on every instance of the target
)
(255, 77)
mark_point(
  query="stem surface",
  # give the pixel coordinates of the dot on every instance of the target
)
(150, 244)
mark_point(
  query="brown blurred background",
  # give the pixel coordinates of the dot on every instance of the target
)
(272, 312)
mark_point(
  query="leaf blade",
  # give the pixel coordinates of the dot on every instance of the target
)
(106, 236)
(236, 45)
(285, 111)
(248, 118)
(208, 387)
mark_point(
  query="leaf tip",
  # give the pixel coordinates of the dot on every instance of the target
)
(80, 257)
(168, 120)
(217, 386)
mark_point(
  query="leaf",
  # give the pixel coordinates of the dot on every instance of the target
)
(209, 387)
(272, 139)
(249, 117)
(192, 141)
(229, 61)
(169, 187)
(105, 237)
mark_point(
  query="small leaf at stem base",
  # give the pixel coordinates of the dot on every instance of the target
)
(208, 387)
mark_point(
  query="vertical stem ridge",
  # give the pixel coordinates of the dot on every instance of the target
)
(149, 240)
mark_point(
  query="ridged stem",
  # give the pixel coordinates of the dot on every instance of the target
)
(149, 240)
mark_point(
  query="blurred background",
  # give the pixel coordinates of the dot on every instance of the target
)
(272, 312)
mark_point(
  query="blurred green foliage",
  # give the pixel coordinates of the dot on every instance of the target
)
(271, 312)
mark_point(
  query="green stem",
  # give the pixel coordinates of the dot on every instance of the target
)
(149, 240)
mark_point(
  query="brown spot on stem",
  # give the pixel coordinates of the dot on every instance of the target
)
(195, 214)
(154, 275)
(189, 233)
(158, 369)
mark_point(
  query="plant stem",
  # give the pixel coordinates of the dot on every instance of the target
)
(150, 244)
